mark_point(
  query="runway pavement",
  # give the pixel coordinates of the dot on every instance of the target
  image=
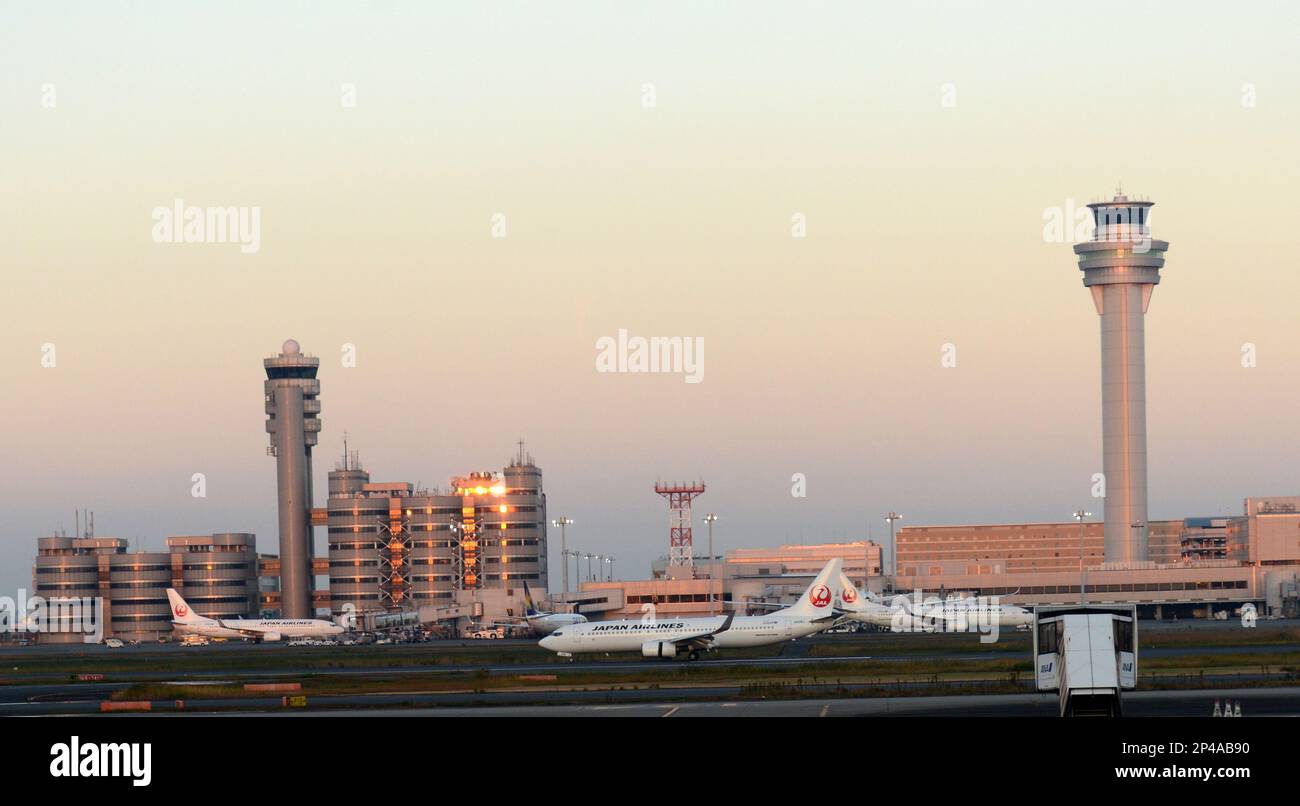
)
(1254, 702)
(38, 680)
(9, 674)
(877, 699)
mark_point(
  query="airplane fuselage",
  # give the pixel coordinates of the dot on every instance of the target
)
(1002, 615)
(879, 615)
(549, 623)
(256, 628)
(630, 636)
(958, 617)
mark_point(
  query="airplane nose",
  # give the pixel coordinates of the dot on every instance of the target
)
(547, 642)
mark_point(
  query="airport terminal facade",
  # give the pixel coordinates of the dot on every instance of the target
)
(217, 574)
(394, 547)
(1197, 567)
(1195, 564)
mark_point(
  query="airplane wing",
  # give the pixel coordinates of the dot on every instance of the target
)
(703, 639)
(835, 611)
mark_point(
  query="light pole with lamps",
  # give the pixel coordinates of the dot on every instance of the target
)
(564, 547)
(1079, 515)
(710, 519)
(893, 548)
(577, 571)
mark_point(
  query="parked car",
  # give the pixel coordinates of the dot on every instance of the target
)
(114, 643)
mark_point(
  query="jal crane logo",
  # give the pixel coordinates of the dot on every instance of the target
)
(820, 596)
(182, 611)
(850, 595)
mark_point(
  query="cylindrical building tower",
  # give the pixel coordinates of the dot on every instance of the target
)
(217, 574)
(353, 538)
(75, 568)
(292, 422)
(521, 528)
(1121, 266)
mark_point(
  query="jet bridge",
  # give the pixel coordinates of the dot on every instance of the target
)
(428, 614)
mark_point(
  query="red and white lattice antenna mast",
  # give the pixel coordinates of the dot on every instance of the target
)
(681, 554)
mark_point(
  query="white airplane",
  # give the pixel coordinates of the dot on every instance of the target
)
(547, 623)
(903, 613)
(865, 609)
(963, 612)
(186, 622)
(688, 636)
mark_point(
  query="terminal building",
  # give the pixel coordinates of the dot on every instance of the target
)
(394, 547)
(1023, 547)
(450, 556)
(1195, 566)
(217, 575)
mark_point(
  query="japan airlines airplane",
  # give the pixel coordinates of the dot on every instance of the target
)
(186, 621)
(903, 614)
(961, 613)
(865, 609)
(688, 636)
(547, 623)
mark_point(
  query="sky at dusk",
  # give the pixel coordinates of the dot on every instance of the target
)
(651, 167)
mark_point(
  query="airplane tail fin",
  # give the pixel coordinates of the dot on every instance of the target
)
(529, 608)
(816, 601)
(847, 596)
(181, 611)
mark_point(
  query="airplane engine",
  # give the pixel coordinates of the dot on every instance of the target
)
(270, 636)
(659, 649)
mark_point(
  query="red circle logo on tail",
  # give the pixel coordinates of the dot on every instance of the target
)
(181, 611)
(820, 596)
(850, 595)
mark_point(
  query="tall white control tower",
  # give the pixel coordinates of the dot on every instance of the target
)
(1121, 266)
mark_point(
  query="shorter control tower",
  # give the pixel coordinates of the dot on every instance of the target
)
(292, 421)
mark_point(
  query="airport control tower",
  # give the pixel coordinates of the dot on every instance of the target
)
(1121, 266)
(291, 420)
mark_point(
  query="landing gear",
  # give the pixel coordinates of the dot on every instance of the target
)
(694, 654)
